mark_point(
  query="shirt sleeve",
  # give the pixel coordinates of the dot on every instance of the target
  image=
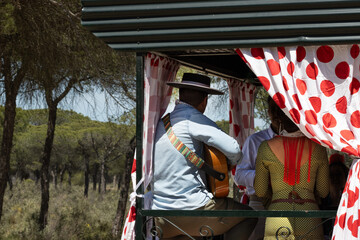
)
(245, 171)
(206, 131)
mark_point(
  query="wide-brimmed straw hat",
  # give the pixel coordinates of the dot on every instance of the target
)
(196, 82)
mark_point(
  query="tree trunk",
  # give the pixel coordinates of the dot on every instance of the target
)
(54, 174)
(62, 172)
(124, 190)
(53, 177)
(10, 183)
(119, 181)
(105, 179)
(94, 176)
(69, 176)
(11, 91)
(45, 160)
(102, 185)
(37, 176)
(87, 171)
(114, 181)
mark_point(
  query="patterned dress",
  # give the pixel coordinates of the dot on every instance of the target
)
(313, 181)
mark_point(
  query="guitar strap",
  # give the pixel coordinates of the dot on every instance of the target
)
(187, 153)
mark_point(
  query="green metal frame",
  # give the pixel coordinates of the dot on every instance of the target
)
(239, 213)
(139, 140)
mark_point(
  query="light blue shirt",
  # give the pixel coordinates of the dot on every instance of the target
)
(245, 171)
(177, 183)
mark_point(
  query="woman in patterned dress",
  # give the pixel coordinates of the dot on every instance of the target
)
(294, 170)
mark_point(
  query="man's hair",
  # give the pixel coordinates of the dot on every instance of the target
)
(191, 96)
(281, 118)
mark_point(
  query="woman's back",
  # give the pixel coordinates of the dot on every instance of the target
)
(294, 180)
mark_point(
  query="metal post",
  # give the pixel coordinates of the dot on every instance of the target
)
(139, 140)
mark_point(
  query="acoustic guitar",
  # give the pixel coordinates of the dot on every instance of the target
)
(217, 161)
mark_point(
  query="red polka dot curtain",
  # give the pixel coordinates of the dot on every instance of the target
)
(241, 115)
(241, 112)
(317, 87)
(158, 71)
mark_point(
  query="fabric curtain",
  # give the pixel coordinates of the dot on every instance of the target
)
(128, 232)
(241, 115)
(157, 71)
(318, 88)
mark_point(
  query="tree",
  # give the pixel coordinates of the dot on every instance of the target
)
(261, 105)
(84, 147)
(124, 189)
(15, 63)
(56, 55)
(25, 155)
(128, 121)
(224, 125)
(109, 144)
(65, 156)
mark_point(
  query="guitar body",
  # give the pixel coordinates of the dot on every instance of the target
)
(217, 161)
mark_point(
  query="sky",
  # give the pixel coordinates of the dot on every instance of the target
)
(95, 109)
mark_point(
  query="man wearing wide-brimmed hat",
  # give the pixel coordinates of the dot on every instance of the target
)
(179, 181)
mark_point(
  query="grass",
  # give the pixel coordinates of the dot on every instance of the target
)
(71, 215)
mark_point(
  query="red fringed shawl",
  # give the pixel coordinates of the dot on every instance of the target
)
(293, 150)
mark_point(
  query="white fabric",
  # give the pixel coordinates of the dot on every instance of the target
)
(245, 171)
(157, 94)
(318, 88)
(241, 113)
(158, 71)
(347, 218)
(128, 232)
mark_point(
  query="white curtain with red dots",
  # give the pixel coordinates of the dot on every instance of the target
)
(318, 88)
(158, 71)
(241, 114)
(128, 232)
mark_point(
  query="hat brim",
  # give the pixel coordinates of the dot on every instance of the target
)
(195, 87)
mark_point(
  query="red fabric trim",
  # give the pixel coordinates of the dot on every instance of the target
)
(293, 150)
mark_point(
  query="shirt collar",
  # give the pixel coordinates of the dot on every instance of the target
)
(271, 132)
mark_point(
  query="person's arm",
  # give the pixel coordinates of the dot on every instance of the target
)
(245, 171)
(206, 131)
(261, 184)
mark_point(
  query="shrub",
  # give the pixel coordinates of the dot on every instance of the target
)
(71, 215)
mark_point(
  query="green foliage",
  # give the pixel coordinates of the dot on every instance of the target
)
(7, 21)
(72, 130)
(261, 106)
(78, 179)
(40, 116)
(71, 216)
(45, 54)
(224, 125)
